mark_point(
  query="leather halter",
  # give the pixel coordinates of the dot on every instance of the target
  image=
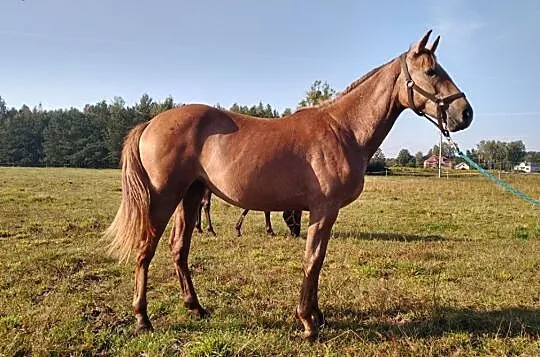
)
(290, 218)
(442, 103)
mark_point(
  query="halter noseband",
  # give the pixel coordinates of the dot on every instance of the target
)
(442, 103)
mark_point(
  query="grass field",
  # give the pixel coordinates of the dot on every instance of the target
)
(416, 266)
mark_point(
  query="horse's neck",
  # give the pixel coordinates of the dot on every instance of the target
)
(371, 108)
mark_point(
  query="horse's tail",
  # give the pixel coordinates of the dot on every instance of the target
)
(131, 227)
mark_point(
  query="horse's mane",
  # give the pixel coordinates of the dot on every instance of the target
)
(349, 88)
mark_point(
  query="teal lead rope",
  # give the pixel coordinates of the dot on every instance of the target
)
(499, 182)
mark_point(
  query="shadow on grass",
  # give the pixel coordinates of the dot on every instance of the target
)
(374, 326)
(397, 237)
(377, 326)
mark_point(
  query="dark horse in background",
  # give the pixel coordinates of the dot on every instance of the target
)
(292, 218)
(312, 160)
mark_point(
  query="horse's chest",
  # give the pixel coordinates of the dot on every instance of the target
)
(356, 184)
(348, 184)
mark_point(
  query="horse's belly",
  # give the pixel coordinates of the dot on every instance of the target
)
(275, 178)
(262, 186)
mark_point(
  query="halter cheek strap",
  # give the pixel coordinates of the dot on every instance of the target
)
(442, 103)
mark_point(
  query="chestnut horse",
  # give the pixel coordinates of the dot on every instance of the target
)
(205, 204)
(313, 160)
(291, 218)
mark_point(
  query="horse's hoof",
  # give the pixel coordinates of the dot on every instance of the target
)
(143, 328)
(200, 313)
(310, 335)
(211, 231)
(312, 326)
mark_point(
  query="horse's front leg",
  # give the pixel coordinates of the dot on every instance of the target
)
(308, 312)
(238, 225)
(198, 221)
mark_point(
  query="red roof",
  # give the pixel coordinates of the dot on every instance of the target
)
(435, 159)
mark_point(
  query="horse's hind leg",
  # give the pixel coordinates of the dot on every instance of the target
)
(206, 205)
(268, 223)
(180, 242)
(160, 212)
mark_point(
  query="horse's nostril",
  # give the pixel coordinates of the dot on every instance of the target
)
(467, 113)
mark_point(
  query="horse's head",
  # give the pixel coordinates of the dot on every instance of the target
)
(293, 220)
(428, 89)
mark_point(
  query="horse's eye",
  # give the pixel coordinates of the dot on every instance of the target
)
(431, 72)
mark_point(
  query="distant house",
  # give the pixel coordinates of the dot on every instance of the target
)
(433, 162)
(462, 166)
(527, 167)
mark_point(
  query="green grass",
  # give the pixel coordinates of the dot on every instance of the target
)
(416, 266)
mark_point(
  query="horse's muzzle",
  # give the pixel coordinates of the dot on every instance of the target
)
(462, 120)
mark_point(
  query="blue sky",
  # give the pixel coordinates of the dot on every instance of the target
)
(64, 53)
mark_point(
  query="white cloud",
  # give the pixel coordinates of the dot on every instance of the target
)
(458, 29)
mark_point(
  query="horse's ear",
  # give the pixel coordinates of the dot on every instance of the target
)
(435, 44)
(421, 46)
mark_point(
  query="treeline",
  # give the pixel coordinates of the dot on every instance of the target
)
(495, 154)
(91, 137)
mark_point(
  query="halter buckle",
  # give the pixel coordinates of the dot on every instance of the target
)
(410, 83)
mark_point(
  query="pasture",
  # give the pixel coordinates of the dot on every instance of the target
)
(415, 266)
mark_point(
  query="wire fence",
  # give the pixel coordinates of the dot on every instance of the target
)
(392, 171)
(444, 173)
